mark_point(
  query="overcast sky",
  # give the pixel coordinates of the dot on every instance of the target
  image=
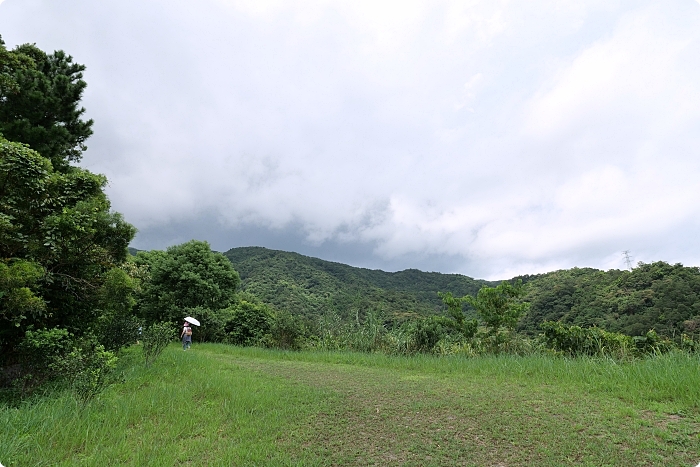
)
(490, 138)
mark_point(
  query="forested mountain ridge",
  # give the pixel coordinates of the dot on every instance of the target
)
(311, 287)
(657, 296)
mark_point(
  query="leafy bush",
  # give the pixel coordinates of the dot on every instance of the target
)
(118, 332)
(286, 331)
(455, 316)
(424, 334)
(593, 341)
(55, 355)
(87, 369)
(689, 344)
(248, 324)
(42, 353)
(156, 338)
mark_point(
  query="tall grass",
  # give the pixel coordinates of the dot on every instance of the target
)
(183, 409)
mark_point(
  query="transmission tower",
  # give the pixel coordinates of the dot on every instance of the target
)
(628, 259)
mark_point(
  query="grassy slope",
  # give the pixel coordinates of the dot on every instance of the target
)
(310, 286)
(221, 405)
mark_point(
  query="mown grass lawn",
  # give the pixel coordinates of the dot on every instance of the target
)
(222, 405)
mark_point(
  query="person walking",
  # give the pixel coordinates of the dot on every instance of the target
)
(186, 336)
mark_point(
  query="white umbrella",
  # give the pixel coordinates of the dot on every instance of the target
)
(191, 320)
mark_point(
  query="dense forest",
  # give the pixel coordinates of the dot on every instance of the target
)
(656, 296)
(310, 287)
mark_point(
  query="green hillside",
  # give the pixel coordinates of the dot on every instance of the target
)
(657, 296)
(311, 287)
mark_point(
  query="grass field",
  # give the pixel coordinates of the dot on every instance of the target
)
(222, 405)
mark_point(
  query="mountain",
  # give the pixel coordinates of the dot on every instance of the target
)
(311, 287)
(657, 296)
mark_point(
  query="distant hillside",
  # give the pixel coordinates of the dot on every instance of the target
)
(657, 296)
(310, 286)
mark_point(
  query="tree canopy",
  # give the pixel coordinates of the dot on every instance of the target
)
(309, 287)
(58, 241)
(62, 249)
(183, 277)
(39, 103)
(658, 296)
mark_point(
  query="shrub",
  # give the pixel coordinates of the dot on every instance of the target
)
(87, 369)
(689, 344)
(118, 332)
(248, 323)
(42, 351)
(424, 334)
(156, 338)
(594, 341)
(55, 355)
(286, 331)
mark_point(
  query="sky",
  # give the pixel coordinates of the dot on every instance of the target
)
(488, 138)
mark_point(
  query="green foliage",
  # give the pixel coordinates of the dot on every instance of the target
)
(367, 335)
(184, 277)
(59, 235)
(656, 296)
(456, 317)
(424, 334)
(43, 352)
(17, 299)
(576, 341)
(689, 344)
(60, 246)
(311, 288)
(249, 322)
(39, 103)
(498, 307)
(286, 331)
(116, 326)
(117, 332)
(11, 63)
(56, 355)
(156, 338)
(88, 368)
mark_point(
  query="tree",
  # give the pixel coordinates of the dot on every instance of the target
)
(39, 103)
(498, 307)
(455, 316)
(183, 277)
(58, 242)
